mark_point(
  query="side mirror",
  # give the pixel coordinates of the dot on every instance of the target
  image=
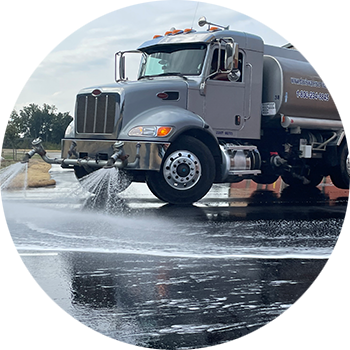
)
(119, 66)
(234, 75)
(202, 21)
(231, 56)
(122, 67)
(231, 61)
(126, 63)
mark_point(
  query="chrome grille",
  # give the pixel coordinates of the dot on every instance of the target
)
(96, 114)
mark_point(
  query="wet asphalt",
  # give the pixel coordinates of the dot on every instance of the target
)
(169, 277)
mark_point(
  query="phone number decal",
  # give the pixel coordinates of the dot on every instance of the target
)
(313, 95)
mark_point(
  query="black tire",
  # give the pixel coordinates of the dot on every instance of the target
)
(340, 173)
(314, 179)
(265, 179)
(80, 172)
(186, 174)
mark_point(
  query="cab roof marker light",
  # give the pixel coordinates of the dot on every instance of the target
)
(169, 32)
(157, 36)
(177, 31)
(214, 29)
(189, 30)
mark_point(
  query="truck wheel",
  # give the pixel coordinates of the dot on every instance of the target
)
(265, 179)
(80, 172)
(187, 172)
(314, 179)
(340, 174)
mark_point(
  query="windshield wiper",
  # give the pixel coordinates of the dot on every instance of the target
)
(164, 75)
(146, 77)
(178, 74)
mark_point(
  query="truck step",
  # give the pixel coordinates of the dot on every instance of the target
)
(244, 172)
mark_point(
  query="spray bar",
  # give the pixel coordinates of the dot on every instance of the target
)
(117, 160)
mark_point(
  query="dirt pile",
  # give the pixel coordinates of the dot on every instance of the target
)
(38, 176)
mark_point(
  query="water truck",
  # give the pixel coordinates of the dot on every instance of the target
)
(208, 106)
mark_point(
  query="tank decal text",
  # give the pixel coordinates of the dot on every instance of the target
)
(308, 82)
(312, 95)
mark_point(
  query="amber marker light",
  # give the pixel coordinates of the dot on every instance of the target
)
(163, 131)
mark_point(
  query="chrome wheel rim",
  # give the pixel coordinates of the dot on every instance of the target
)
(182, 170)
(348, 164)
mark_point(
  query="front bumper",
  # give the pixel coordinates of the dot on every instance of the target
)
(96, 153)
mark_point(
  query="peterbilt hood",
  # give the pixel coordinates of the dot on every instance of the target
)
(140, 96)
(131, 98)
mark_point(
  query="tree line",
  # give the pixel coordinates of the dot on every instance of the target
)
(35, 121)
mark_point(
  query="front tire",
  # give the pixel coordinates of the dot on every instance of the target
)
(340, 174)
(187, 172)
(80, 172)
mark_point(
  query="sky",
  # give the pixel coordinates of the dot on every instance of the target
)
(86, 57)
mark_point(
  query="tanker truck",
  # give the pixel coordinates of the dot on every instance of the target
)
(208, 106)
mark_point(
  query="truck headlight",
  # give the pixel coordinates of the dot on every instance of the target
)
(150, 131)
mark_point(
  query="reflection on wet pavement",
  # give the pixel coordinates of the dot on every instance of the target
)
(170, 277)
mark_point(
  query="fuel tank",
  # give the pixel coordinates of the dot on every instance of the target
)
(291, 87)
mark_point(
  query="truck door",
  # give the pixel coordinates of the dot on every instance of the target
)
(225, 105)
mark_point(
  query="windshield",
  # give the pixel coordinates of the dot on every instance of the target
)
(173, 60)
